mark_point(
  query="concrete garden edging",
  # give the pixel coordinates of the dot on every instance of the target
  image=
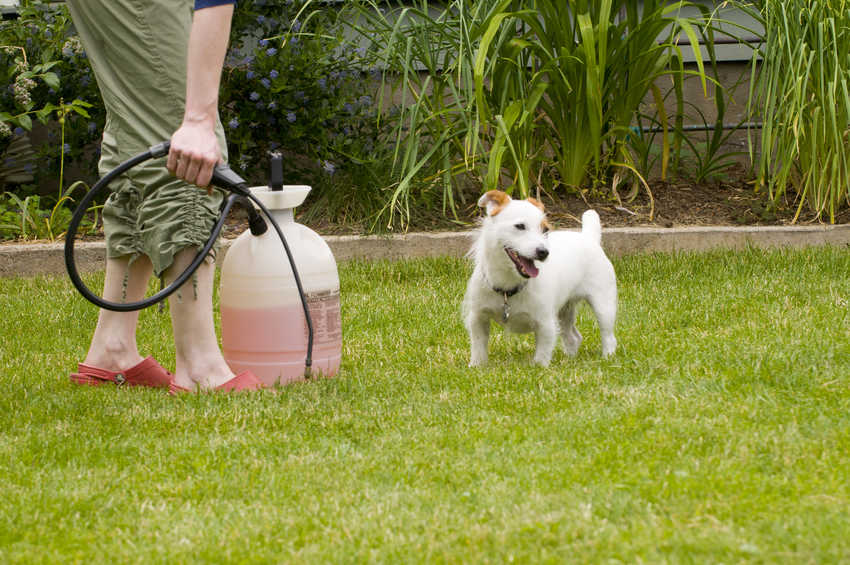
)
(28, 259)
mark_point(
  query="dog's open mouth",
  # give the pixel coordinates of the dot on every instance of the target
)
(524, 265)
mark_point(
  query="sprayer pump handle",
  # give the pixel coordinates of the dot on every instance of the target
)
(222, 177)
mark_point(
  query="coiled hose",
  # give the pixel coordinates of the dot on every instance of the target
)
(224, 178)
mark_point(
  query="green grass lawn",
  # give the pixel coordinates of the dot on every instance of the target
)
(718, 432)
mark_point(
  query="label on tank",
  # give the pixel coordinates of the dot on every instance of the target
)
(325, 314)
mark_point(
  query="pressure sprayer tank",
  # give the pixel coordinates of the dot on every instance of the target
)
(263, 328)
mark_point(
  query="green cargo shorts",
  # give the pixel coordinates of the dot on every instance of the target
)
(138, 50)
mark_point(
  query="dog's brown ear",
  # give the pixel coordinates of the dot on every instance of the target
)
(537, 203)
(494, 201)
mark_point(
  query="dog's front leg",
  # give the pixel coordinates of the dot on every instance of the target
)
(478, 326)
(545, 337)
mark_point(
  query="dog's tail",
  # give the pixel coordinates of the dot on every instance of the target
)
(591, 226)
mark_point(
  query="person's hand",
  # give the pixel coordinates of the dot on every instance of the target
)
(194, 153)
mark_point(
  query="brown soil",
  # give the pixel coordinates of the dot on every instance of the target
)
(671, 204)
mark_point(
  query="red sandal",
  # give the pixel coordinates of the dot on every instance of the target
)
(147, 373)
(246, 380)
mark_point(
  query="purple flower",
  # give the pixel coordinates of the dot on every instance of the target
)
(19, 131)
(272, 105)
(261, 19)
(273, 74)
(290, 117)
(266, 82)
(233, 124)
(271, 51)
(322, 82)
(348, 107)
(66, 148)
(264, 42)
(365, 100)
(328, 167)
(361, 51)
(249, 75)
(254, 96)
(296, 26)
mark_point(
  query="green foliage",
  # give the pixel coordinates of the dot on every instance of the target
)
(698, 155)
(26, 217)
(292, 84)
(802, 90)
(34, 49)
(49, 74)
(537, 90)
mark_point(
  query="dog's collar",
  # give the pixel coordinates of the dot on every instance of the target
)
(508, 292)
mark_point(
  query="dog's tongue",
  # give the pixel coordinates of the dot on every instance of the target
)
(529, 267)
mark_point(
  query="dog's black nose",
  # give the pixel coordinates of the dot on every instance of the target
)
(542, 253)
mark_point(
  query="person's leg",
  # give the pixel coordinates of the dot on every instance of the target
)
(200, 364)
(113, 345)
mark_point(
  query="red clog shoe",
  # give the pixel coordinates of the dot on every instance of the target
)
(245, 380)
(147, 373)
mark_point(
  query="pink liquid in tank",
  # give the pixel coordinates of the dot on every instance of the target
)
(272, 342)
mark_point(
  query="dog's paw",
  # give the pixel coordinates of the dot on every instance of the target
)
(542, 362)
(609, 345)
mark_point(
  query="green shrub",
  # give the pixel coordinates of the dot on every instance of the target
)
(45, 64)
(524, 92)
(802, 90)
(293, 85)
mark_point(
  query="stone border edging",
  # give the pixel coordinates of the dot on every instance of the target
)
(28, 259)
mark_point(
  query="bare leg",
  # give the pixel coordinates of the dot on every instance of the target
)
(113, 345)
(200, 363)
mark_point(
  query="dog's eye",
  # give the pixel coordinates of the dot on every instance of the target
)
(520, 226)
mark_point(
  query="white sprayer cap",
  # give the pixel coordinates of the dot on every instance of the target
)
(290, 196)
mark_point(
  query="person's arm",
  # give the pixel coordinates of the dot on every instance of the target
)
(194, 146)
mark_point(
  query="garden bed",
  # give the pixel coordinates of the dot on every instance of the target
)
(679, 203)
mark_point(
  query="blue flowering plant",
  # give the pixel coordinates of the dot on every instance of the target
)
(294, 85)
(31, 62)
(40, 59)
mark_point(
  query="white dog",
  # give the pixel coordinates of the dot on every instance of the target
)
(529, 279)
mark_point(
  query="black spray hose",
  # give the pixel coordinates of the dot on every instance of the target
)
(224, 178)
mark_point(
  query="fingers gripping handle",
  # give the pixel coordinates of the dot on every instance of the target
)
(223, 176)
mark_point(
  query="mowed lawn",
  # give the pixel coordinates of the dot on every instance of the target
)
(718, 432)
